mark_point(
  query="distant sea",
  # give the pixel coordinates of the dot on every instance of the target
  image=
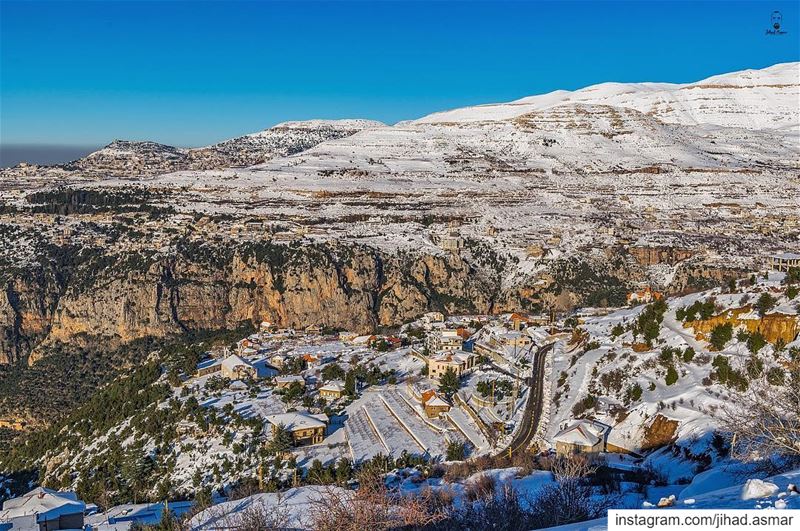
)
(12, 154)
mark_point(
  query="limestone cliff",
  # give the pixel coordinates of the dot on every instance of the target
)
(110, 300)
(102, 298)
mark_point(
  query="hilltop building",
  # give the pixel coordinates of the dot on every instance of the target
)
(783, 261)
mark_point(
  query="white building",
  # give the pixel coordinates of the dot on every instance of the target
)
(44, 509)
(783, 261)
(443, 340)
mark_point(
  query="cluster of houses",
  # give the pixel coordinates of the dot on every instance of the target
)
(448, 346)
(447, 349)
(458, 348)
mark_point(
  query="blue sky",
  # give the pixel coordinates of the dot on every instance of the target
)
(188, 73)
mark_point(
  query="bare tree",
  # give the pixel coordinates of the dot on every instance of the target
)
(258, 516)
(374, 506)
(765, 420)
(480, 487)
(566, 467)
(566, 501)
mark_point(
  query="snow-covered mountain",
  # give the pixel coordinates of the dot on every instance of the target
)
(569, 139)
(728, 122)
(752, 99)
(742, 122)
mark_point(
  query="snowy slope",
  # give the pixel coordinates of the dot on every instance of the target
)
(562, 141)
(284, 139)
(607, 367)
(737, 496)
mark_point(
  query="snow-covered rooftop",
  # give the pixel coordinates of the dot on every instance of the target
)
(46, 503)
(298, 421)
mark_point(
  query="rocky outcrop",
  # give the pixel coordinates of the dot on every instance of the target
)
(660, 432)
(697, 276)
(774, 326)
(143, 158)
(27, 301)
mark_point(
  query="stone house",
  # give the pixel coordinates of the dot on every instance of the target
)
(332, 390)
(237, 368)
(282, 382)
(435, 406)
(582, 437)
(306, 429)
(458, 360)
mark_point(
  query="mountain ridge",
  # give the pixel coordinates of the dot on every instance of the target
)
(147, 158)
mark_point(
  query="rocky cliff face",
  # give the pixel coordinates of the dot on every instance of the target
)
(659, 255)
(113, 300)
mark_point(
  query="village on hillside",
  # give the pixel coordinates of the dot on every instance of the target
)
(291, 407)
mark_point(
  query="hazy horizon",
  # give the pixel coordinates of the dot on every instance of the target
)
(13, 154)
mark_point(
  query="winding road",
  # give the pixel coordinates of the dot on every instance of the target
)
(533, 408)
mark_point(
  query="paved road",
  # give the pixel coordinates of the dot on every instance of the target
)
(533, 408)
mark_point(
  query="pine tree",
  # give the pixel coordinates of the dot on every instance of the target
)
(672, 375)
(449, 382)
(350, 384)
(344, 471)
(765, 303)
(316, 473)
(281, 441)
(456, 451)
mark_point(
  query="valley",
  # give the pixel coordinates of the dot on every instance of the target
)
(469, 298)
